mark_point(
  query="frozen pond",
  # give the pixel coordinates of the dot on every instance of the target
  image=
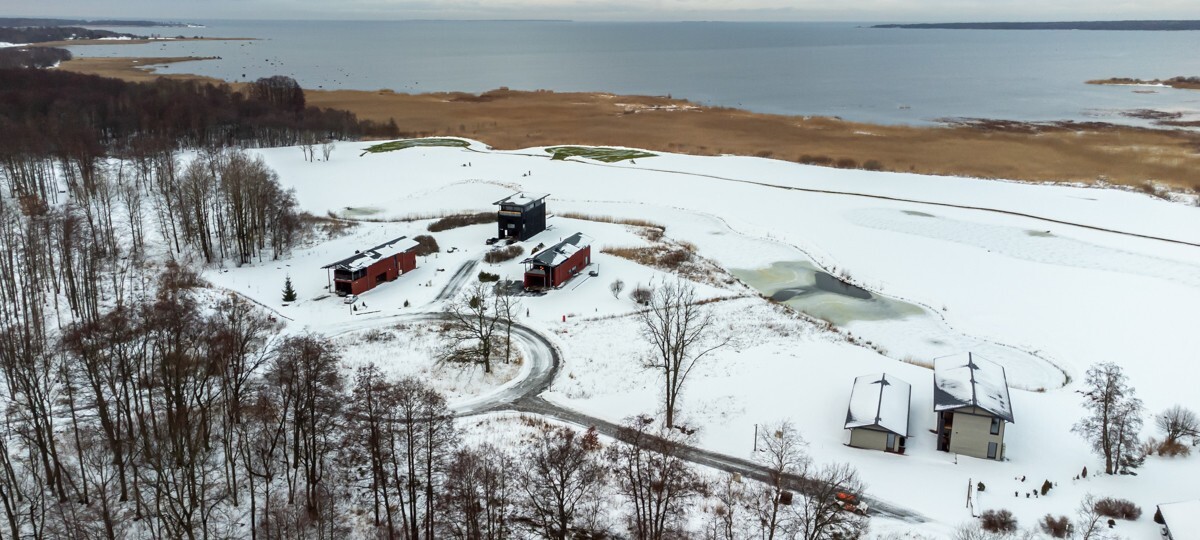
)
(806, 288)
(906, 331)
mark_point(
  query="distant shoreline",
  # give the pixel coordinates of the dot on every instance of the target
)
(133, 41)
(1051, 152)
(1160, 26)
(1184, 83)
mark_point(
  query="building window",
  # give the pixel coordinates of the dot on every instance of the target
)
(891, 441)
(992, 447)
(995, 426)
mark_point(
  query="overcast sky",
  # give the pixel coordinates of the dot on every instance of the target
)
(615, 10)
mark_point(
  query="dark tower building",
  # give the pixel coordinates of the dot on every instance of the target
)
(521, 215)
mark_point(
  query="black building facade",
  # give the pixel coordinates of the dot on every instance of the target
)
(521, 215)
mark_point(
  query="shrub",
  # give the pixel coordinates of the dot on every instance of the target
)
(503, 254)
(1046, 486)
(641, 294)
(462, 220)
(617, 286)
(426, 245)
(815, 160)
(486, 277)
(1118, 508)
(846, 163)
(998, 521)
(873, 165)
(1173, 449)
(1056, 527)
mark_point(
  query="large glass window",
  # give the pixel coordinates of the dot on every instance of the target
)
(992, 448)
(996, 426)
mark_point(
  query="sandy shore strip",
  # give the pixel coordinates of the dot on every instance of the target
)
(507, 119)
(134, 41)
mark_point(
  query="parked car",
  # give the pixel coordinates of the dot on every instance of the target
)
(350, 299)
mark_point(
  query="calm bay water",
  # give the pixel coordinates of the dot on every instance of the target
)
(891, 76)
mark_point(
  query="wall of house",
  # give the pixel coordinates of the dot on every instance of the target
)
(407, 261)
(574, 265)
(868, 438)
(972, 433)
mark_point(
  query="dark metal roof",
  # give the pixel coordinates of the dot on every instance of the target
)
(523, 199)
(369, 256)
(970, 381)
(879, 401)
(560, 252)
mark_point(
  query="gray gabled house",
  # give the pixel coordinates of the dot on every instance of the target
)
(1181, 520)
(878, 413)
(970, 397)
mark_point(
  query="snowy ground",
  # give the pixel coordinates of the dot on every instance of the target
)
(1061, 297)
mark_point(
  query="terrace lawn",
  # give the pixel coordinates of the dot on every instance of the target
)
(598, 153)
(413, 143)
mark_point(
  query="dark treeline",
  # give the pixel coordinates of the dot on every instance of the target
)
(32, 57)
(27, 21)
(48, 116)
(39, 34)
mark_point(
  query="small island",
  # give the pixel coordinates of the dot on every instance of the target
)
(1186, 83)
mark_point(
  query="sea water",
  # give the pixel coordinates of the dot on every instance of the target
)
(893, 76)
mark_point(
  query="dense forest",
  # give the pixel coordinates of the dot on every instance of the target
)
(39, 34)
(29, 21)
(32, 57)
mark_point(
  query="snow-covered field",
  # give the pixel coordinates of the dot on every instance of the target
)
(1043, 297)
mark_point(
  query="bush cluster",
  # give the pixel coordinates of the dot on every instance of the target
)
(426, 245)
(500, 255)
(998, 521)
(1118, 508)
(462, 220)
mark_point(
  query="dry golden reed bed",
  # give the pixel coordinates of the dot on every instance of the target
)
(516, 119)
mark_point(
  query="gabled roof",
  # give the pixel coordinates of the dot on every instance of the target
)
(560, 252)
(368, 257)
(522, 198)
(966, 380)
(1182, 519)
(879, 401)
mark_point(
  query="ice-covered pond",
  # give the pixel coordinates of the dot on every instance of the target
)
(904, 330)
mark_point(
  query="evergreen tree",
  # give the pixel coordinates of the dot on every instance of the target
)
(289, 294)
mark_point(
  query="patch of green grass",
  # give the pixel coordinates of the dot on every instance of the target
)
(413, 143)
(598, 153)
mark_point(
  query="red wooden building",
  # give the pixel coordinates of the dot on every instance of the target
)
(365, 269)
(557, 264)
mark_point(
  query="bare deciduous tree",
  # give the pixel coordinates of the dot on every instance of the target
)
(681, 334)
(1114, 414)
(471, 334)
(655, 481)
(479, 494)
(819, 513)
(561, 474)
(1178, 422)
(781, 451)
